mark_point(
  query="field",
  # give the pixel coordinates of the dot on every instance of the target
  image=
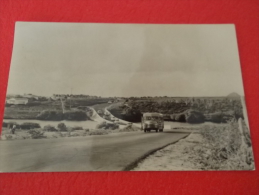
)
(33, 109)
(29, 111)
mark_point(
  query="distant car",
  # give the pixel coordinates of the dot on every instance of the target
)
(152, 121)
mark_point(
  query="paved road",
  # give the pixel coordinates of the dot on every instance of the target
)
(111, 152)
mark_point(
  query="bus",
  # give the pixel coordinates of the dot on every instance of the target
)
(152, 121)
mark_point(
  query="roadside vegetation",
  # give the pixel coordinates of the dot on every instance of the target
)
(35, 131)
(179, 109)
(107, 126)
(222, 148)
(191, 110)
(213, 147)
(71, 115)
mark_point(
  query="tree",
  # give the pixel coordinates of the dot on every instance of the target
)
(62, 127)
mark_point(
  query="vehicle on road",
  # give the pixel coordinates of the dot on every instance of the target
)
(152, 121)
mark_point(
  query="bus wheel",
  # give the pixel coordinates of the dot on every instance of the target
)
(156, 130)
(161, 130)
(145, 130)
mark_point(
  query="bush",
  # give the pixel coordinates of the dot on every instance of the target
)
(4, 124)
(50, 115)
(77, 128)
(36, 134)
(215, 117)
(77, 115)
(107, 126)
(62, 127)
(98, 132)
(180, 117)
(29, 126)
(130, 127)
(49, 128)
(193, 116)
(167, 117)
(131, 115)
(10, 124)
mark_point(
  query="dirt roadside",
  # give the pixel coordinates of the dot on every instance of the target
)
(173, 157)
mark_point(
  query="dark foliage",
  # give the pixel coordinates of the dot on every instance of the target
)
(77, 128)
(29, 126)
(36, 134)
(62, 127)
(215, 117)
(49, 128)
(75, 115)
(107, 126)
(180, 117)
(192, 116)
(50, 115)
(54, 115)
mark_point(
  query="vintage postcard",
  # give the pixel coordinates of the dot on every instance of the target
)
(124, 97)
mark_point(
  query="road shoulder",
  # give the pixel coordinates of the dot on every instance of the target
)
(173, 157)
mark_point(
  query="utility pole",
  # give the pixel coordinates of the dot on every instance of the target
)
(62, 104)
(71, 89)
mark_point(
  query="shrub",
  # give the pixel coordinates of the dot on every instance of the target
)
(131, 115)
(107, 126)
(62, 127)
(130, 127)
(180, 117)
(193, 116)
(49, 128)
(4, 124)
(77, 115)
(51, 115)
(77, 128)
(10, 124)
(98, 132)
(167, 117)
(36, 134)
(8, 137)
(29, 126)
(215, 117)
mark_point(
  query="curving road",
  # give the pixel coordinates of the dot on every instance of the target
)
(111, 152)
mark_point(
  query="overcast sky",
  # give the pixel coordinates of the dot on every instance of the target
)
(125, 60)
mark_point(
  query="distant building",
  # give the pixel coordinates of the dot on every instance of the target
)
(31, 96)
(17, 101)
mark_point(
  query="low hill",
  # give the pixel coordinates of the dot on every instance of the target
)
(234, 95)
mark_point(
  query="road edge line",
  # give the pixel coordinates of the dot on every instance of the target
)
(135, 163)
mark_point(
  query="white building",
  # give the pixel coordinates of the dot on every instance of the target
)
(17, 101)
(31, 96)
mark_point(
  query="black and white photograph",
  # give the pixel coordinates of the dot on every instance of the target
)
(125, 97)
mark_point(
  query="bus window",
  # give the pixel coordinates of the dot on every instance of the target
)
(148, 118)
